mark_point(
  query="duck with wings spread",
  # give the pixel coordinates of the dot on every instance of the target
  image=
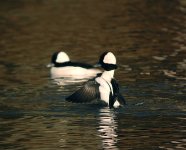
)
(103, 87)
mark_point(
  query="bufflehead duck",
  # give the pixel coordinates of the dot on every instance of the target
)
(103, 87)
(61, 66)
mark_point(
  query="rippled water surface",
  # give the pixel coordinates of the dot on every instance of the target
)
(149, 40)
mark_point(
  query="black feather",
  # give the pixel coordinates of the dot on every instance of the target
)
(112, 100)
(88, 93)
(116, 94)
(74, 64)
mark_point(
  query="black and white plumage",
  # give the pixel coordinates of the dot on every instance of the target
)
(89, 92)
(103, 87)
(61, 66)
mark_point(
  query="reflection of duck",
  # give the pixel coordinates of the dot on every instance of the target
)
(107, 129)
(103, 87)
(61, 66)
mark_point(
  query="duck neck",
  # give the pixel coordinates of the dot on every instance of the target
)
(108, 75)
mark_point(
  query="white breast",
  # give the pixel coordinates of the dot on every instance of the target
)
(105, 88)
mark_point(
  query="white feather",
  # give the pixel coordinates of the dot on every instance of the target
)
(62, 57)
(105, 86)
(109, 58)
(75, 72)
(104, 89)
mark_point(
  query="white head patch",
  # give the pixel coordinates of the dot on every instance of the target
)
(109, 58)
(62, 57)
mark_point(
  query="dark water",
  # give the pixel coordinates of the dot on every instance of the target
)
(149, 40)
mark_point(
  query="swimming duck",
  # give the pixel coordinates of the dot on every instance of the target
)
(103, 87)
(61, 66)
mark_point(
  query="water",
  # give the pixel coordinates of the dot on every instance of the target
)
(148, 38)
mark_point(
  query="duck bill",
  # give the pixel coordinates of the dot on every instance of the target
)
(50, 65)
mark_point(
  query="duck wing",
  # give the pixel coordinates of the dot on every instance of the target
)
(88, 93)
(112, 100)
(117, 95)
